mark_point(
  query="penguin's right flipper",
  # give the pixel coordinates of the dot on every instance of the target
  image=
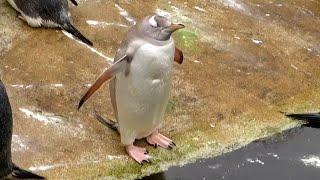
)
(23, 174)
(75, 32)
(74, 2)
(310, 117)
(108, 122)
(108, 74)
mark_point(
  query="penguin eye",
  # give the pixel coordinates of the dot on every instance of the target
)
(153, 22)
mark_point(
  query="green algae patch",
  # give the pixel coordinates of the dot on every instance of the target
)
(186, 40)
(194, 144)
(172, 105)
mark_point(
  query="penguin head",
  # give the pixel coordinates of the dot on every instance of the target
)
(159, 27)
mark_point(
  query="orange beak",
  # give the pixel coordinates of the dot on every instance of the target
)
(174, 27)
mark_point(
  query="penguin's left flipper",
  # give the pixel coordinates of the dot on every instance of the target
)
(23, 174)
(74, 2)
(178, 56)
(310, 117)
(108, 74)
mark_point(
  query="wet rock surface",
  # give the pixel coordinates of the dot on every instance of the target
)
(293, 154)
(244, 62)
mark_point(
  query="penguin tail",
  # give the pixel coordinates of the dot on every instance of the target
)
(108, 122)
(74, 31)
(309, 117)
(23, 174)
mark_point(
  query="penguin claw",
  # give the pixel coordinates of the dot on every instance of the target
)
(138, 154)
(170, 147)
(145, 161)
(22, 18)
(157, 139)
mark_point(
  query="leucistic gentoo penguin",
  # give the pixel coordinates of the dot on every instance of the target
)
(8, 170)
(48, 13)
(140, 83)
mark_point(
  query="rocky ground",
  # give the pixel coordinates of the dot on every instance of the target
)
(244, 62)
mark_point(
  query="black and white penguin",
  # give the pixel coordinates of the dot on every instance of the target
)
(9, 170)
(48, 13)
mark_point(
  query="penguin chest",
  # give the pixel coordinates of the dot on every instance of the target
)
(143, 94)
(150, 71)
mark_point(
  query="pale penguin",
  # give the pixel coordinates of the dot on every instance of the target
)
(140, 83)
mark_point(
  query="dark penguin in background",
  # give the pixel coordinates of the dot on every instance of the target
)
(8, 170)
(48, 13)
(309, 117)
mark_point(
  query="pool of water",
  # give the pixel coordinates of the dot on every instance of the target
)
(293, 154)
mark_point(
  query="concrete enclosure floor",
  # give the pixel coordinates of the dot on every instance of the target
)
(244, 62)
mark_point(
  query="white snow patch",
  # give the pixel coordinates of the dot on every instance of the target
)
(125, 14)
(45, 167)
(17, 85)
(108, 59)
(57, 85)
(256, 41)
(110, 157)
(47, 118)
(294, 67)
(235, 4)
(237, 37)
(29, 86)
(156, 81)
(58, 123)
(200, 9)
(18, 143)
(255, 161)
(312, 161)
(163, 13)
(196, 61)
(22, 86)
(104, 24)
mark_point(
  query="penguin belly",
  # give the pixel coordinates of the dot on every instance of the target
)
(143, 94)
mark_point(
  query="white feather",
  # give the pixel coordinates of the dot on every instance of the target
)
(153, 22)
